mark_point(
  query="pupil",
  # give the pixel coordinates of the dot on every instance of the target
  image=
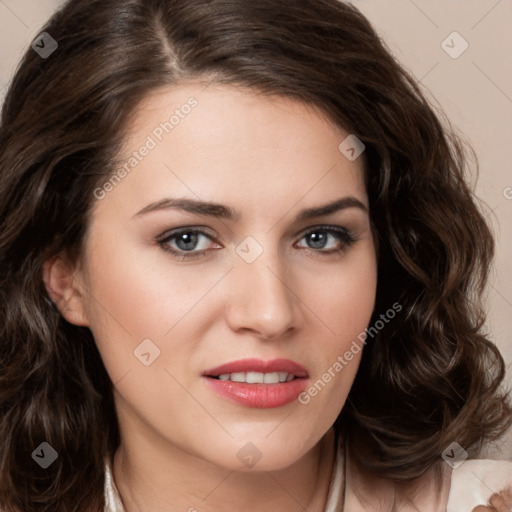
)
(189, 240)
(317, 240)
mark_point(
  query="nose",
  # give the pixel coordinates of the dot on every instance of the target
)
(262, 299)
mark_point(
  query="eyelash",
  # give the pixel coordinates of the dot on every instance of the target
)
(342, 234)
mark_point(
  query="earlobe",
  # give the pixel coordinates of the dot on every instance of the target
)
(63, 289)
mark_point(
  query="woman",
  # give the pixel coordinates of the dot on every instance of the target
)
(241, 268)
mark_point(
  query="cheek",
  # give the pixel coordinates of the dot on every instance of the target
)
(137, 290)
(136, 295)
(344, 302)
(123, 303)
(343, 296)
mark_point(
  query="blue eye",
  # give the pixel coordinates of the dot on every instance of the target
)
(188, 243)
(320, 237)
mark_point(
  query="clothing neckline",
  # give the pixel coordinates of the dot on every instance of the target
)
(336, 494)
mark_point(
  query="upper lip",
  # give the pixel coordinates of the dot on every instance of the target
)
(258, 365)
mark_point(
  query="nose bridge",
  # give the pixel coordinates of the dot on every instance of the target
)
(263, 298)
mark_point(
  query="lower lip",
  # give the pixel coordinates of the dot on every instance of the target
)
(260, 396)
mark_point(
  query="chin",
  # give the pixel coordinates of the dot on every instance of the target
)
(272, 453)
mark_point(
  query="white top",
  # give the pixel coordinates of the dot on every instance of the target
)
(475, 481)
(470, 484)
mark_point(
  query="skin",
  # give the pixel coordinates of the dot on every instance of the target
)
(268, 158)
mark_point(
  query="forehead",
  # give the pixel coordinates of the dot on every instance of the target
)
(234, 145)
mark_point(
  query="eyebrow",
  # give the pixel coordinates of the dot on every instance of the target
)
(225, 212)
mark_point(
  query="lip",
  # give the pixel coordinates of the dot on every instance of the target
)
(258, 365)
(260, 396)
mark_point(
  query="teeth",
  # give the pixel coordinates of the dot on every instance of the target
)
(258, 377)
(271, 378)
(254, 377)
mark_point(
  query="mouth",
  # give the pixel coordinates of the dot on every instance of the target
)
(256, 377)
(257, 383)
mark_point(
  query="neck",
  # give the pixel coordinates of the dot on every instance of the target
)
(147, 481)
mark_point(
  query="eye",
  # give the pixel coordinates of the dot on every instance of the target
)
(328, 239)
(186, 243)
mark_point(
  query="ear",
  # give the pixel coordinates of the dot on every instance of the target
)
(62, 285)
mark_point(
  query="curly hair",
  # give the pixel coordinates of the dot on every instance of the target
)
(432, 378)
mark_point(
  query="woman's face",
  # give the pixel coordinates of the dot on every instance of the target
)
(260, 276)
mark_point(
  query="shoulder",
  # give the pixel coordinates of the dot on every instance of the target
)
(474, 481)
(439, 488)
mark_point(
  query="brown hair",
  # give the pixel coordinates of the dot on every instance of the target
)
(429, 378)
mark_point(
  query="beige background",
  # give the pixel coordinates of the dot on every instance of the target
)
(474, 89)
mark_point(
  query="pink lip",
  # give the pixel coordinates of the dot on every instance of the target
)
(261, 396)
(259, 365)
